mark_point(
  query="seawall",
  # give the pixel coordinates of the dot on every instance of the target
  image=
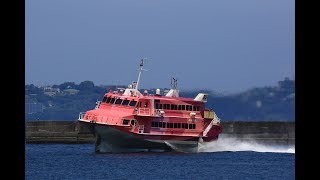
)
(73, 132)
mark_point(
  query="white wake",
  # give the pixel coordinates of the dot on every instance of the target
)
(233, 144)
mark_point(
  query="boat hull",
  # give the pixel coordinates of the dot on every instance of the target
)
(109, 139)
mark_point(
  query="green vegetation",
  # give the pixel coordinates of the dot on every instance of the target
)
(65, 101)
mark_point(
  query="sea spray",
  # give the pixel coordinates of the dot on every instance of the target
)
(233, 144)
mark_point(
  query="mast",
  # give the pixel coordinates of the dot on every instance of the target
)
(140, 70)
(174, 83)
(174, 92)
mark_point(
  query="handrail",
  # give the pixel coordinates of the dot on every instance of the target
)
(157, 113)
(98, 103)
(143, 111)
(149, 112)
(101, 119)
(81, 115)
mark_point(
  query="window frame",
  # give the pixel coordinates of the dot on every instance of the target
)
(125, 100)
(117, 100)
(112, 100)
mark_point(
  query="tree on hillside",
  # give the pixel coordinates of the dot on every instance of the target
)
(32, 89)
(67, 85)
(86, 85)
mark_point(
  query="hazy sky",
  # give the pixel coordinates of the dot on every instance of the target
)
(223, 45)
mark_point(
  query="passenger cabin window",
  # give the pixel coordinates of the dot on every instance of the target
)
(185, 125)
(188, 108)
(133, 122)
(118, 101)
(196, 108)
(125, 122)
(158, 106)
(125, 102)
(174, 107)
(166, 106)
(112, 100)
(132, 103)
(175, 125)
(104, 99)
(192, 126)
(157, 124)
(177, 107)
(108, 100)
(160, 124)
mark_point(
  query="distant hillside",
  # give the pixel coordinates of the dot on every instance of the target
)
(65, 101)
(267, 103)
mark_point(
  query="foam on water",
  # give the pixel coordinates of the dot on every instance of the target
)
(233, 144)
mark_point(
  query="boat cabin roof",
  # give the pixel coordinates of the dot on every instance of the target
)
(150, 96)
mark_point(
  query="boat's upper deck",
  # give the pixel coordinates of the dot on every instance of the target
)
(150, 105)
(150, 97)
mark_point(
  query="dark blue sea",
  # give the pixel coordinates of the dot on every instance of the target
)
(78, 161)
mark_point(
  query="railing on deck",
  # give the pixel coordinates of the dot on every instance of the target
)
(101, 119)
(98, 103)
(149, 112)
(143, 111)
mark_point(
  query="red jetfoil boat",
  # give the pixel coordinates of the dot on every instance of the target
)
(129, 121)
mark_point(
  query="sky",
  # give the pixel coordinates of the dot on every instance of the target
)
(226, 46)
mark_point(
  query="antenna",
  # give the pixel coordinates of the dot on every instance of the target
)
(140, 70)
(174, 83)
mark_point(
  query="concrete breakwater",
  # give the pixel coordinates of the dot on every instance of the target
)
(73, 132)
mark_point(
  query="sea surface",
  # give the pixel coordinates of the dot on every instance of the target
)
(226, 159)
